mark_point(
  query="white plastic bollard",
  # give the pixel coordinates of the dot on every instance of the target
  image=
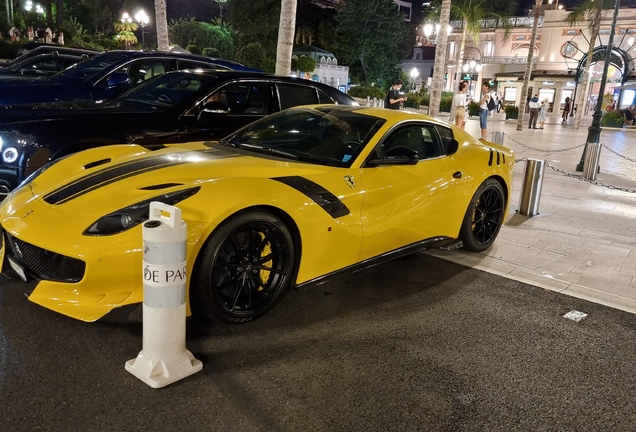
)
(164, 358)
(368, 101)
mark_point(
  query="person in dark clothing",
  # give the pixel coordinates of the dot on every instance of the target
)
(566, 110)
(393, 98)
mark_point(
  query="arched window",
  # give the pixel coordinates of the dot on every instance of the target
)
(323, 60)
(328, 60)
(334, 61)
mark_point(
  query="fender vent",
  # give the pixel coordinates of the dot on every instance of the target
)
(161, 186)
(97, 163)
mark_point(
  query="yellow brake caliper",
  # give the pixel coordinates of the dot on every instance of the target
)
(264, 274)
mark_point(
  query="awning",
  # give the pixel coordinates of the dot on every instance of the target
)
(631, 86)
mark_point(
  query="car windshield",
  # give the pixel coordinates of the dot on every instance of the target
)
(90, 67)
(169, 89)
(324, 136)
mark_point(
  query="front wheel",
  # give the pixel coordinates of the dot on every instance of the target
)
(484, 217)
(245, 268)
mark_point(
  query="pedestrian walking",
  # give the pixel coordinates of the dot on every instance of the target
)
(60, 38)
(459, 104)
(534, 106)
(566, 110)
(48, 35)
(393, 97)
(486, 98)
(543, 112)
(30, 33)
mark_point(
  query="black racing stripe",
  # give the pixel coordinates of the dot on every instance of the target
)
(321, 196)
(126, 170)
(490, 159)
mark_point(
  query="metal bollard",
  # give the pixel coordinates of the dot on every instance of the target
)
(531, 187)
(368, 101)
(164, 358)
(592, 158)
(498, 137)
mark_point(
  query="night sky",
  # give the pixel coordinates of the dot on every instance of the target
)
(526, 4)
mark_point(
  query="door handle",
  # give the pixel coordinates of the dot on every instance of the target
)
(457, 174)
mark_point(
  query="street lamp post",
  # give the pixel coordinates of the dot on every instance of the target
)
(472, 67)
(594, 131)
(126, 19)
(143, 20)
(414, 74)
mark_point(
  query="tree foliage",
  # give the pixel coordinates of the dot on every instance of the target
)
(373, 36)
(186, 32)
(255, 20)
(303, 64)
(252, 55)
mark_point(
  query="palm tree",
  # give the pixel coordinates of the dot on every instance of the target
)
(440, 60)
(126, 32)
(285, 37)
(526, 77)
(590, 12)
(472, 13)
(161, 21)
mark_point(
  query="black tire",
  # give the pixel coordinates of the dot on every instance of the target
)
(245, 268)
(484, 217)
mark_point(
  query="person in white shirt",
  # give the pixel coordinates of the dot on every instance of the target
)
(459, 103)
(483, 111)
(48, 35)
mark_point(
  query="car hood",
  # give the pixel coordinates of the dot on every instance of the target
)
(62, 109)
(103, 180)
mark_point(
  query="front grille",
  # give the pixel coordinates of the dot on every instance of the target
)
(44, 264)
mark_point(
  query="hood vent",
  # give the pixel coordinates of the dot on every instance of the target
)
(97, 163)
(161, 186)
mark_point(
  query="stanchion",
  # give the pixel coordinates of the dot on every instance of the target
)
(164, 358)
(498, 137)
(368, 101)
(592, 158)
(531, 187)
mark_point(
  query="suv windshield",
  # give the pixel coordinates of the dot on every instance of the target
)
(169, 89)
(91, 67)
(323, 136)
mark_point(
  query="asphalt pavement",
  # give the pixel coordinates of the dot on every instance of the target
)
(417, 344)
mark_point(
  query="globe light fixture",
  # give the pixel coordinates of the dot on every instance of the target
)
(142, 18)
(125, 18)
(431, 31)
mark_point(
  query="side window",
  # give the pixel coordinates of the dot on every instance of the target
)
(294, 95)
(43, 67)
(449, 143)
(421, 138)
(142, 70)
(323, 98)
(243, 98)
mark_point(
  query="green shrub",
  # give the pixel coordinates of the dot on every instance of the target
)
(473, 109)
(364, 91)
(425, 99)
(613, 119)
(252, 55)
(186, 32)
(512, 111)
(194, 49)
(8, 50)
(446, 102)
(210, 52)
(269, 65)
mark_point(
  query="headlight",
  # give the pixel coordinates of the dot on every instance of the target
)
(131, 216)
(10, 155)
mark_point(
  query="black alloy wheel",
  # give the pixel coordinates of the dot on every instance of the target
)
(245, 268)
(484, 216)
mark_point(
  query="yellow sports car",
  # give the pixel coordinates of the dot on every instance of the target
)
(293, 199)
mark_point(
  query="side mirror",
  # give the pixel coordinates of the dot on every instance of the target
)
(213, 111)
(118, 80)
(398, 155)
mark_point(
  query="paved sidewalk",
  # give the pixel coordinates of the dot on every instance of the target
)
(583, 242)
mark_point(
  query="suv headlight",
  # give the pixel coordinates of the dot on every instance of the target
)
(131, 216)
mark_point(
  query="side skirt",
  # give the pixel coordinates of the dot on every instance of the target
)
(446, 243)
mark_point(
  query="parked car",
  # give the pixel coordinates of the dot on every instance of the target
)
(48, 49)
(30, 46)
(293, 199)
(106, 76)
(40, 66)
(175, 107)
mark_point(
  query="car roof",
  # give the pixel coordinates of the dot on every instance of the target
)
(226, 75)
(150, 54)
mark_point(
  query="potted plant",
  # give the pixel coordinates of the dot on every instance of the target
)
(613, 119)
(413, 100)
(473, 109)
(512, 112)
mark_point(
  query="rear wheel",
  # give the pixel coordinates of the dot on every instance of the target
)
(245, 268)
(484, 216)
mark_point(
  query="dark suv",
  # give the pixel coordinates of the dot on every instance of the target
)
(106, 75)
(173, 108)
